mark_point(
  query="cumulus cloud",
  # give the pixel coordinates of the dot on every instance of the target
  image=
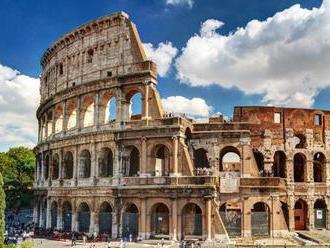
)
(194, 107)
(189, 3)
(19, 98)
(163, 56)
(285, 57)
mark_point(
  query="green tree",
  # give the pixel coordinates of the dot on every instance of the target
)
(17, 167)
(2, 212)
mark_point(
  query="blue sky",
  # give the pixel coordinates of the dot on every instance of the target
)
(29, 27)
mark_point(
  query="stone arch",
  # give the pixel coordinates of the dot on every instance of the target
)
(85, 164)
(105, 218)
(68, 165)
(279, 164)
(231, 216)
(72, 115)
(67, 216)
(299, 167)
(319, 167)
(46, 167)
(58, 119)
(88, 112)
(135, 99)
(160, 220)
(108, 108)
(162, 159)
(300, 141)
(84, 217)
(300, 214)
(260, 219)
(55, 166)
(192, 220)
(320, 213)
(130, 221)
(53, 214)
(230, 159)
(200, 158)
(90, 55)
(188, 136)
(106, 162)
(133, 165)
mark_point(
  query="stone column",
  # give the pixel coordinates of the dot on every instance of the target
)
(78, 122)
(143, 216)
(60, 162)
(53, 120)
(96, 110)
(246, 230)
(174, 225)
(42, 168)
(74, 224)
(65, 117)
(208, 215)
(48, 214)
(310, 213)
(291, 214)
(143, 162)
(76, 164)
(94, 227)
(93, 159)
(146, 100)
(59, 223)
(114, 223)
(175, 156)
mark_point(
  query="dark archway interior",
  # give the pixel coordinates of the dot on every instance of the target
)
(299, 162)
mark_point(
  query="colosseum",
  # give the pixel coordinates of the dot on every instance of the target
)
(154, 175)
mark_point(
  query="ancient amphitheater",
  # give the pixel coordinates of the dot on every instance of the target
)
(102, 168)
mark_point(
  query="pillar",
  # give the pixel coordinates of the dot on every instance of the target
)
(310, 213)
(94, 227)
(53, 120)
(146, 100)
(208, 215)
(78, 122)
(175, 156)
(115, 225)
(143, 219)
(143, 161)
(59, 223)
(93, 160)
(48, 215)
(76, 163)
(174, 225)
(96, 109)
(65, 117)
(74, 224)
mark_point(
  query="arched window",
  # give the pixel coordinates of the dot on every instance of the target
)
(162, 165)
(110, 111)
(55, 167)
(299, 161)
(188, 136)
(84, 217)
(58, 119)
(279, 164)
(106, 163)
(260, 219)
(192, 220)
(67, 216)
(230, 159)
(53, 214)
(68, 166)
(134, 162)
(85, 164)
(130, 221)
(319, 168)
(46, 171)
(72, 116)
(90, 54)
(231, 218)
(200, 158)
(300, 214)
(300, 141)
(135, 108)
(88, 112)
(105, 218)
(49, 123)
(320, 214)
(160, 224)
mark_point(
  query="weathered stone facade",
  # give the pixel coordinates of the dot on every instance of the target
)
(155, 174)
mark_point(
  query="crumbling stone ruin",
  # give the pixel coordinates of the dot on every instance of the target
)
(101, 168)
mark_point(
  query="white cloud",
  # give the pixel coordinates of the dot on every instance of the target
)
(194, 107)
(163, 56)
(285, 58)
(189, 3)
(19, 98)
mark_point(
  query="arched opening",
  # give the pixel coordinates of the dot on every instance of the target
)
(67, 216)
(160, 222)
(134, 162)
(285, 211)
(105, 219)
(58, 119)
(53, 214)
(299, 161)
(68, 166)
(85, 164)
(135, 107)
(88, 112)
(300, 215)
(49, 119)
(259, 158)
(46, 171)
(200, 158)
(279, 164)
(55, 167)
(39, 164)
(231, 217)
(90, 54)
(187, 136)
(84, 217)
(130, 221)
(162, 163)
(110, 111)
(192, 220)
(319, 168)
(106, 163)
(320, 214)
(44, 213)
(300, 141)
(260, 219)
(72, 115)
(230, 159)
